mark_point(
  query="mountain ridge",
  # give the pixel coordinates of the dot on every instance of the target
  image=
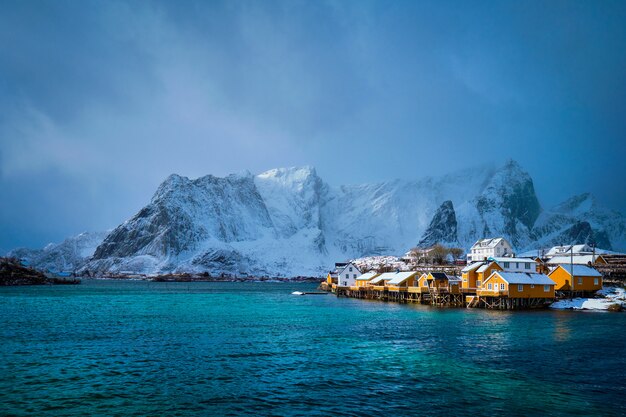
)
(288, 221)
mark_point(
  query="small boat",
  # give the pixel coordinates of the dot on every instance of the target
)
(308, 293)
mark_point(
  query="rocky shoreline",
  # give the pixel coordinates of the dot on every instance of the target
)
(12, 272)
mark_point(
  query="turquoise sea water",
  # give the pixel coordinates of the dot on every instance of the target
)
(139, 348)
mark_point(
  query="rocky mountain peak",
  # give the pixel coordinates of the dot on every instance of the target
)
(512, 192)
(442, 228)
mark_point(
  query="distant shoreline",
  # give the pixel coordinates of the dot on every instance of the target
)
(200, 278)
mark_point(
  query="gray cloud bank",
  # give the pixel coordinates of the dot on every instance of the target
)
(100, 101)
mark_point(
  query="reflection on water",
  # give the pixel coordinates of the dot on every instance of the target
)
(232, 348)
(563, 324)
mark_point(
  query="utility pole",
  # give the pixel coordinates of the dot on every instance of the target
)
(593, 251)
(571, 266)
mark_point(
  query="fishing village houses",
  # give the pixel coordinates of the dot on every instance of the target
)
(493, 278)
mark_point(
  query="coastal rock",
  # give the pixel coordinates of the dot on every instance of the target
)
(13, 273)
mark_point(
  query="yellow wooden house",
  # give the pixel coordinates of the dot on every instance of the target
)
(379, 283)
(584, 278)
(420, 284)
(469, 275)
(517, 285)
(402, 280)
(331, 278)
(485, 272)
(442, 282)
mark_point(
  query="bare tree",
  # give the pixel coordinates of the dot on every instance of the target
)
(439, 254)
(456, 253)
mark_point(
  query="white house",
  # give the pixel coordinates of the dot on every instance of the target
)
(489, 248)
(347, 275)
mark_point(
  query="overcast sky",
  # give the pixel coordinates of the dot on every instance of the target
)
(100, 101)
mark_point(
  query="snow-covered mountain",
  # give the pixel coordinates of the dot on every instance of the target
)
(581, 219)
(69, 255)
(288, 222)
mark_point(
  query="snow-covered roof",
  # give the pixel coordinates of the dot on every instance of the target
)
(484, 267)
(535, 253)
(577, 259)
(505, 259)
(454, 279)
(472, 266)
(524, 278)
(581, 270)
(384, 277)
(557, 250)
(367, 276)
(400, 277)
(488, 243)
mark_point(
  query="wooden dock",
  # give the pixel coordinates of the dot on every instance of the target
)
(440, 297)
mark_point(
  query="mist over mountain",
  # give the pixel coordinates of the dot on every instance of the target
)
(288, 222)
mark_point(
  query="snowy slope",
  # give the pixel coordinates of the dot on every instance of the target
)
(66, 256)
(583, 219)
(287, 221)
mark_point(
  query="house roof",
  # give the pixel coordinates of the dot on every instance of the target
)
(343, 268)
(400, 277)
(367, 276)
(505, 259)
(487, 243)
(452, 278)
(384, 277)
(484, 267)
(577, 259)
(580, 270)
(557, 250)
(535, 253)
(472, 266)
(524, 278)
(438, 275)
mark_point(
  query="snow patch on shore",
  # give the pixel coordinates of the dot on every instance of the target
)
(613, 295)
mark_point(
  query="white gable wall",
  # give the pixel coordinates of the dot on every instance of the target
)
(480, 252)
(348, 275)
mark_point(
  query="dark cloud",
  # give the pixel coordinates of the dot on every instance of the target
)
(99, 101)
